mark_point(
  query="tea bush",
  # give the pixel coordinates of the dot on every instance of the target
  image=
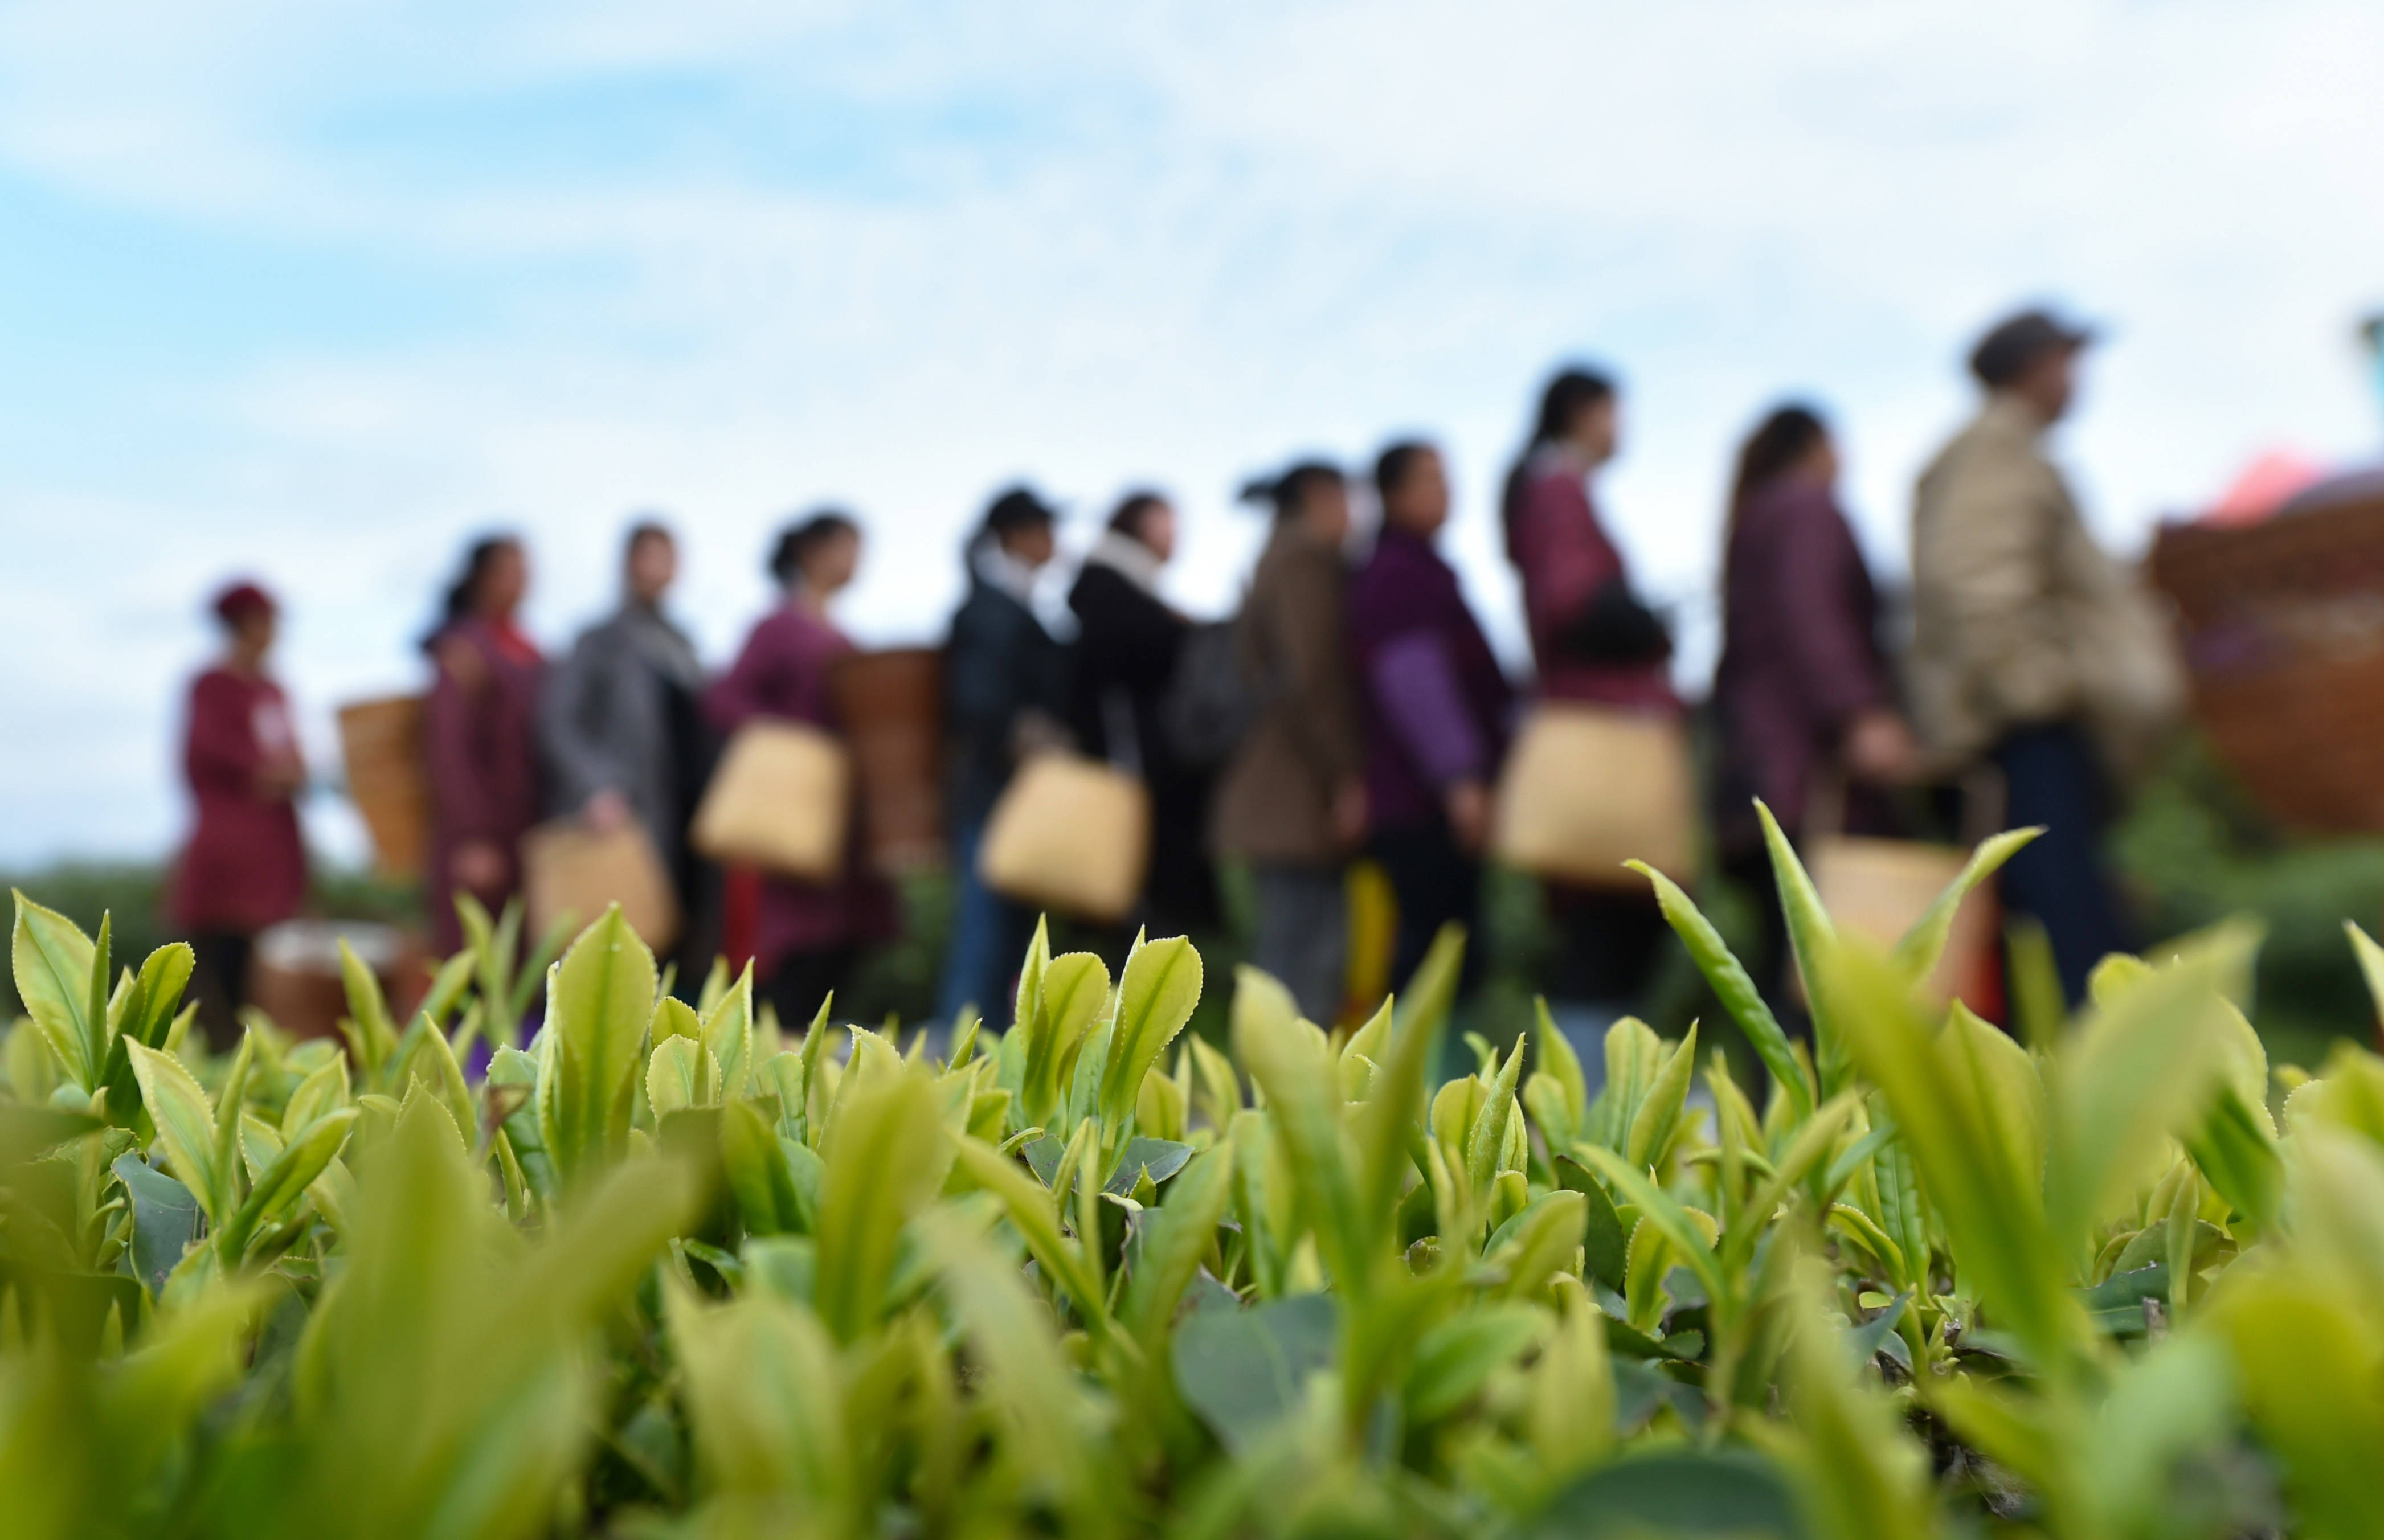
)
(659, 1272)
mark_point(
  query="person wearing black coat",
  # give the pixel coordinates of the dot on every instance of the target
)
(1127, 649)
(1005, 692)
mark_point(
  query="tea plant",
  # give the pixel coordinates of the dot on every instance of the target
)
(664, 1270)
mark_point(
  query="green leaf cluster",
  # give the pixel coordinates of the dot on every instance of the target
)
(670, 1266)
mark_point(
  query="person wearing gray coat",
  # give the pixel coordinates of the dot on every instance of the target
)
(619, 719)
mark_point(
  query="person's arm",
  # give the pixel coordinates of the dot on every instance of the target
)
(1989, 571)
(980, 695)
(1414, 681)
(451, 727)
(571, 711)
(1837, 667)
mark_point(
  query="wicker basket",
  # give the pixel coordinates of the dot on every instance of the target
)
(890, 705)
(2284, 624)
(382, 744)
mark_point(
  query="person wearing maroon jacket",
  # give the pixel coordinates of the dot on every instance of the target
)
(805, 936)
(245, 866)
(479, 730)
(1804, 688)
(1434, 706)
(1595, 642)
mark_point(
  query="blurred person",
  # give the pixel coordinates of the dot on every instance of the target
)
(1292, 801)
(479, 730)
(244, 865)
(1006, 694)
(1593, 641)
(620, 718)
(1434, 706)
(2024, 633)
(806, 936)
(1128, 642)
(1805, 689)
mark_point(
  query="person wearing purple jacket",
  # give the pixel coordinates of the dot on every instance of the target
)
(479, 737)
(1434, 706)
(1803, 690)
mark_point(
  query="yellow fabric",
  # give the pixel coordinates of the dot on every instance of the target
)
(1588, 787)
(1875, 889)
(778, 801)
(1069, 834)
(569, 868)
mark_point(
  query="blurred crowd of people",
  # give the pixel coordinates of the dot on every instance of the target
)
(1364, 713)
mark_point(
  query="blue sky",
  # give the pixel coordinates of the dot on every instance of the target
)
(312, 291)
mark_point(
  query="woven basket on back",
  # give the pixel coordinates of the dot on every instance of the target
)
(2283, 624)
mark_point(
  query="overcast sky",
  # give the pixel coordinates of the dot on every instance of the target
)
(313, 290)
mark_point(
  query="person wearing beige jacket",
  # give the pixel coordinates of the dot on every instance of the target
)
(1292, 803)
(2031, 646)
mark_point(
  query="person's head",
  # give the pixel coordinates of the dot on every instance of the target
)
(1148, 518)
(1580, 409)
(2032, 356)
(495, 577)
(1312, 494)
(1412, 485)
(1792, 441)
(650, 561)
(1023, 525)
(819, 553)
(249, 618)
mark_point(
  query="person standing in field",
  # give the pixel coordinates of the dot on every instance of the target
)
(1292, 803)
(1128, 642)
(620, 718)
(1006, 694)
(244, 865)
(1805, 689)
(2032, 646)
(479, 730)
(806, 936)
(1434, 706)
(1596, 643)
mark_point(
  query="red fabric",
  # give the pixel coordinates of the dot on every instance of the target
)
(1565, 558)
(783, 672)
(479, 737)
(245, 866)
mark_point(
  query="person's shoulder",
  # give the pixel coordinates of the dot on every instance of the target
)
(216, 683)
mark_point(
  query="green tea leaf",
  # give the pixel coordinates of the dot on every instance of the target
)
(886, 1157)
(1922, 946)
(53, 959)
(186, 1123)
(1730, 984)
(604, 995)
(284, 1182)
(681, 1072)
(1157, 994)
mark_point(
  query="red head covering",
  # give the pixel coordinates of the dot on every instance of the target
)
(239, 600)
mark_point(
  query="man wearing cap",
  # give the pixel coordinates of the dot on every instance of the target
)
(2032, 646)
(244, 867)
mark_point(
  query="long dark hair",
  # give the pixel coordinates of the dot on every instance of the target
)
(1571, 392)
(1288, 493)
(463, 594)
(1779, 441)
(798, 540)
